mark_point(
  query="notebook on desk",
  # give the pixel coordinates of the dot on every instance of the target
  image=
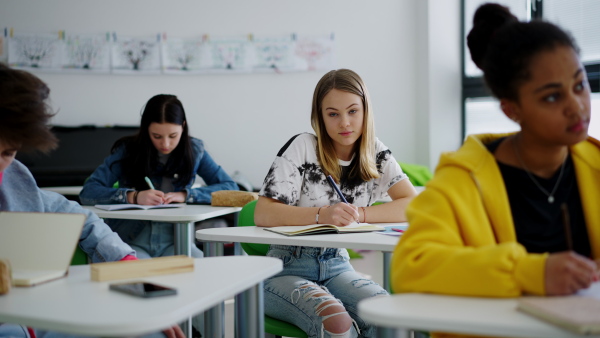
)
(579, 313)
(39, 246)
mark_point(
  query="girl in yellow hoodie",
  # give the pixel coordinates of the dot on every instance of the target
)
(491, 221)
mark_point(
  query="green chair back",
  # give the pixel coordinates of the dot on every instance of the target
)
(418, 175)
(245, 219)
(79, 257)
(273, 326)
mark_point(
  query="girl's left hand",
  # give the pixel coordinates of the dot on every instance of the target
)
(175, 197)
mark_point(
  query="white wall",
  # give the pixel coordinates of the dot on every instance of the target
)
(439, 120)
(244, 119)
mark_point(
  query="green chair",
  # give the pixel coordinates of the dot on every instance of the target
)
(273, 326)
(418, 175)
(79, 257)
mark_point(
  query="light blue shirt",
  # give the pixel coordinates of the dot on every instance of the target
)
(98, 189)
(19, 192)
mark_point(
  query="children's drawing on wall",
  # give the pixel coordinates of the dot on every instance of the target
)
(135, 55)
(185, 55)
(275, 54)
(35, 51)
(231, 54)
(87, 53)
(105, 53)
(316, 52)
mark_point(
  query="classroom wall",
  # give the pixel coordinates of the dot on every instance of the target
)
(244, 119)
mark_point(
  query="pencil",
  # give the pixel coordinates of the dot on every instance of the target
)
(338, 191)
(335, 187)
(149, 183)
(567, 226)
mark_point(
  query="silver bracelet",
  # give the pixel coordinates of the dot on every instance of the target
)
(318, 211)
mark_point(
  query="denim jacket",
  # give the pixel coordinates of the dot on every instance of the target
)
(98, 189)
(19, 192)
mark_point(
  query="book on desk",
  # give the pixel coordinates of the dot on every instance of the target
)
(579, 313)
(115, 207)
(38, 246)
(316, 229)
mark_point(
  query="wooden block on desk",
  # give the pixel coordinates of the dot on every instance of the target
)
(141, 268)
(232, 198)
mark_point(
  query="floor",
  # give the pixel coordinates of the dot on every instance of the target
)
(370, 265)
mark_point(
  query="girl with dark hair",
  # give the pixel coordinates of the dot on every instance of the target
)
(513, 214)
(318, 289)
(164, 152)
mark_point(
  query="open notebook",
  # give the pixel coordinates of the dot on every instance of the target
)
(579, 313)
(39, 246)
(315, 229)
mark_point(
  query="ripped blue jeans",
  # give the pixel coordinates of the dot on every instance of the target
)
(314, 276)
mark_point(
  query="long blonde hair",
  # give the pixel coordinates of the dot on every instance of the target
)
(348, 81)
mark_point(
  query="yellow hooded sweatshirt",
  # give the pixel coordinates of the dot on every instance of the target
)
(461, 239)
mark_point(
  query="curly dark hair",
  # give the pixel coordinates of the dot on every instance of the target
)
(24, 113)
(503, 47)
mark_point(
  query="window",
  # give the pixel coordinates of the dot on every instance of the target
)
(481, 112)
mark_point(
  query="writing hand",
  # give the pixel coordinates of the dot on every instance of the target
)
(340, 214)
(175, 197)
(567, 272)
(151, 197)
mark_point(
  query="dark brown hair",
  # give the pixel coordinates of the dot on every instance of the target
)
(503, 47)
(24, 113)
(141, 158)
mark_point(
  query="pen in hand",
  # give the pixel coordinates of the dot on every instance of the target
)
(147, 179)
(567, 226)
(339, 192)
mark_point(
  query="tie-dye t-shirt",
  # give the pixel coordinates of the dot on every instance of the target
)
(296, 178)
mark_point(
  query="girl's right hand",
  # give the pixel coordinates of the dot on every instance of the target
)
(151, 197)
(568, 272)
(340, 214)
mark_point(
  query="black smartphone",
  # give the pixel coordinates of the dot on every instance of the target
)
(143, 289)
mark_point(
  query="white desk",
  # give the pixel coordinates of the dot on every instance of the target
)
(358, 241)
(215, 237)
(467, 315)
(183, 218)
(76, 305)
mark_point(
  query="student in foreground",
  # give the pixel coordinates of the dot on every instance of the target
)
(491, 222)
(318, 289)
(24, 117)
(165, 153)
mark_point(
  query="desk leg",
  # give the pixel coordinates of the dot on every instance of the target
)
(213, 249)
(249, 313)
(183, 246)
(186, 327)
(387, 260)
(184, 233)
(384, 332)
(214, 324)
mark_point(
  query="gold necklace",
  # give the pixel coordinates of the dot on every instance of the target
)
(550, 195)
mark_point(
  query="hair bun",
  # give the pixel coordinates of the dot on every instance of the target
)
(487, 20)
